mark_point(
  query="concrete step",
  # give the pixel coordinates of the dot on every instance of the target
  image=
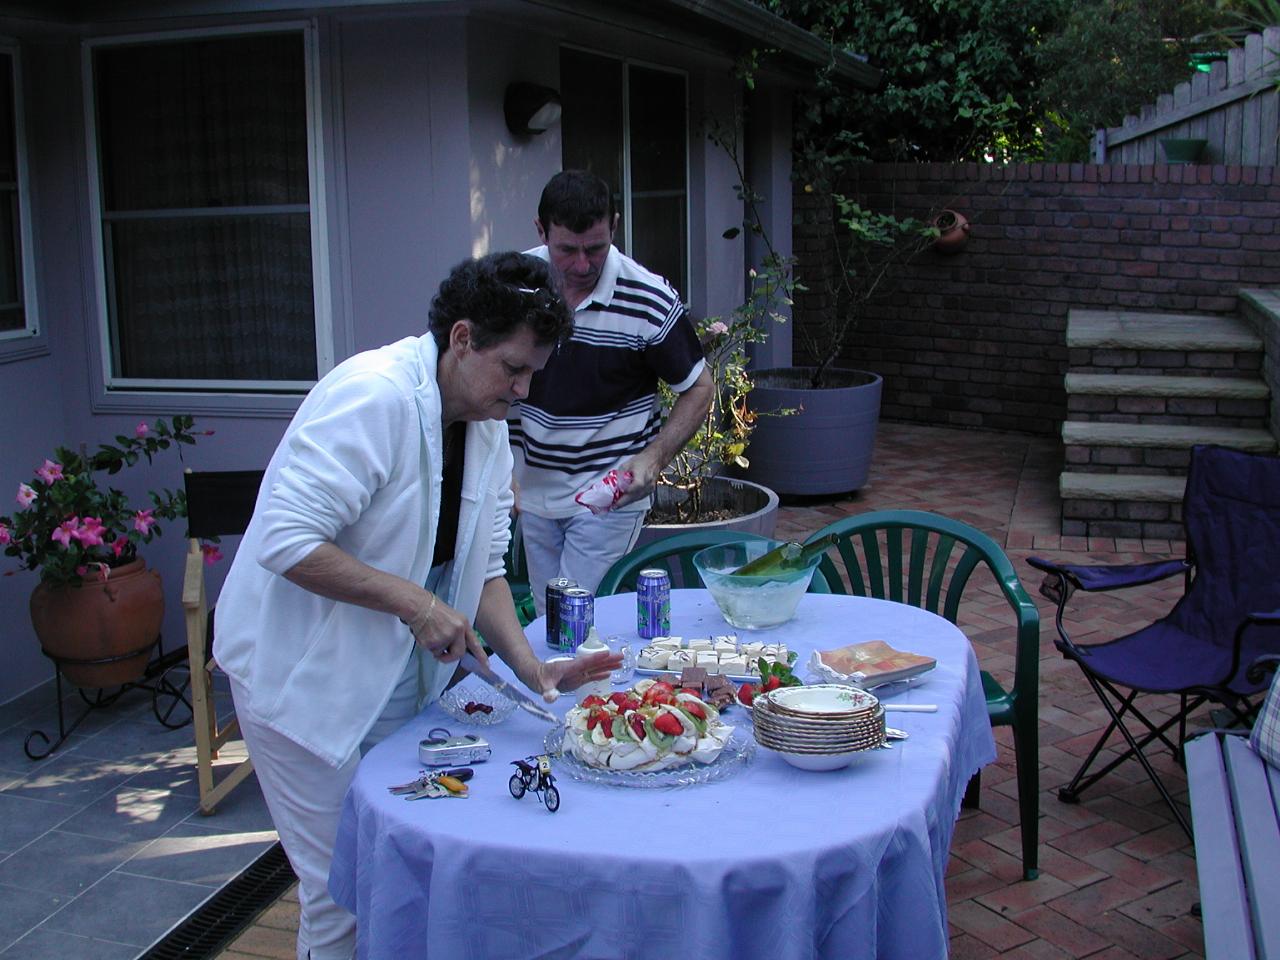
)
(1121, 486)
(1239, 402)
(1122, 505)
(1137, 385)
(1165, 436)
(1125, 330)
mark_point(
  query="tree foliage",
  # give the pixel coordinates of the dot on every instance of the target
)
(999, 79)
(1107, 58)
(959, 77)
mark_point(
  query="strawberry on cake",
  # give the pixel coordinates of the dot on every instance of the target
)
(652, 726)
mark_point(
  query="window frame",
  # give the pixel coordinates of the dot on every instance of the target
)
(625, 187)
(118, 392)
(29, 340)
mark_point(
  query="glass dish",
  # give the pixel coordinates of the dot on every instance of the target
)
(454, 701)
(738, 752)
(754, 602)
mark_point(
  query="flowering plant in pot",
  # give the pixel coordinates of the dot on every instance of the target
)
(684, 494)
(69, 525)
(97, 609)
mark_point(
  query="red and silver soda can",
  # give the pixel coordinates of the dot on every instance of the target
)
(555, 589)
(577, 616)
(653, 603)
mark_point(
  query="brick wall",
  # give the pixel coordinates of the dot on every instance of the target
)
(978, 338)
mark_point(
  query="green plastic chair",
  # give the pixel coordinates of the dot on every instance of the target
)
(518, 576)
(912, 550)
(675, 555)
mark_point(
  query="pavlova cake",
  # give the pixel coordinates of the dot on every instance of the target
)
(652, 726)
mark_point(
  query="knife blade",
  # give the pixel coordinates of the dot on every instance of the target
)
(511, 693)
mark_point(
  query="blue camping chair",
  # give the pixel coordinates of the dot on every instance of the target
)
(1201, 650)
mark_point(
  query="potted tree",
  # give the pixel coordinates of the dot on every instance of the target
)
(826, 447)
(699, 487)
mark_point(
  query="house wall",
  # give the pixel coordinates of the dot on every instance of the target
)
(419, 173)
(977, 338)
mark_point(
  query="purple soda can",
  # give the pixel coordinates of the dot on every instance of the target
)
(577, 616)
(555, 589)
(653, 604)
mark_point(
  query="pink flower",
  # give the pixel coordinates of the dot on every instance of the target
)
(66, 530)
(5, 535)
(211, 553)
(50, 472)
(141, 430)
(90, 532)
(717, 328)
(25, 495)
(118, 546)
(143, 521)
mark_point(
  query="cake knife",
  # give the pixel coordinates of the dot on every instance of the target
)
(511, 693)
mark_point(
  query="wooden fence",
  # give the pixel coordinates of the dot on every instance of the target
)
(1235, 108)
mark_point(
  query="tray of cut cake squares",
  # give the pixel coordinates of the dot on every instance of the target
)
(725, 655)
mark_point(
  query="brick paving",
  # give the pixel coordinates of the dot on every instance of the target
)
(1117, 876)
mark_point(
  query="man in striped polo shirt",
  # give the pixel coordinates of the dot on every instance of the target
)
(594, 406)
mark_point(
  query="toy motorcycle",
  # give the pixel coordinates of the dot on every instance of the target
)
(534, 773)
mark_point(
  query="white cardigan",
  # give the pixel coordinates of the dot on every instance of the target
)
(360, 467)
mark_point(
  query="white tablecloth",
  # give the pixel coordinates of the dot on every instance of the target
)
(772, 862)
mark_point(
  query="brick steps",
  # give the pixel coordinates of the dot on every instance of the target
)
(1132, 398)
(1119, 385)
(1097, 447)
(1169, 344)
(1142, 390)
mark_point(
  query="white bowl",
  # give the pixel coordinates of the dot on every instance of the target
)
(824, 761)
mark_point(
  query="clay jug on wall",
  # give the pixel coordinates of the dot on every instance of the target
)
(116, 620)
(953, 231)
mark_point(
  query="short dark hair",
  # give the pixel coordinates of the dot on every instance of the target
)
(575, 199)
(498, 294)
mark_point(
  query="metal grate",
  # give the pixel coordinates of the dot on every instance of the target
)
(224, 915)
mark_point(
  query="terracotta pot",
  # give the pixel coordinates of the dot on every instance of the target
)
(954, 231)
(117, 621)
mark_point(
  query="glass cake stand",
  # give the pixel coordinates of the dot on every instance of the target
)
(735, 756)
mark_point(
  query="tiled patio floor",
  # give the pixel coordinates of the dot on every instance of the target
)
(1117, 876)
(102, 850)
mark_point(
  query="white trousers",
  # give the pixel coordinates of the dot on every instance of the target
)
(582, 547)
(304, 795)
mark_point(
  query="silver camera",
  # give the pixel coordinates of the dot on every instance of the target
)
(441, 749)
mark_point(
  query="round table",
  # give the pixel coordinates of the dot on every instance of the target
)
(769, 862)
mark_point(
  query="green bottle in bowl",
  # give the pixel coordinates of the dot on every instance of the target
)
(785, 558)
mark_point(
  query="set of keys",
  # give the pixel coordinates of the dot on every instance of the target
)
(433, 784)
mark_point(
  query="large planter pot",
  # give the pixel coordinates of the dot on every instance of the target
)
(755, 509)
(826, 448)
(101, 633)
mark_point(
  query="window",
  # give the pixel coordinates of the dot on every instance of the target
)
(626, 123)
(17, 287)
(204, 185)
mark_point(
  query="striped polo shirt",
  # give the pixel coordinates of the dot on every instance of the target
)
(595, 404)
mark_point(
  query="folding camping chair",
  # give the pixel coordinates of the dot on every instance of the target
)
(1228, 616)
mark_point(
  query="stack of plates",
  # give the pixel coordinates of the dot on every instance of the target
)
(824, 726)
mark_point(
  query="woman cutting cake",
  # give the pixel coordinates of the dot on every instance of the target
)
(377, 540)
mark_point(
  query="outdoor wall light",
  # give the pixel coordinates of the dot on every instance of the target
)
(530, 109)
